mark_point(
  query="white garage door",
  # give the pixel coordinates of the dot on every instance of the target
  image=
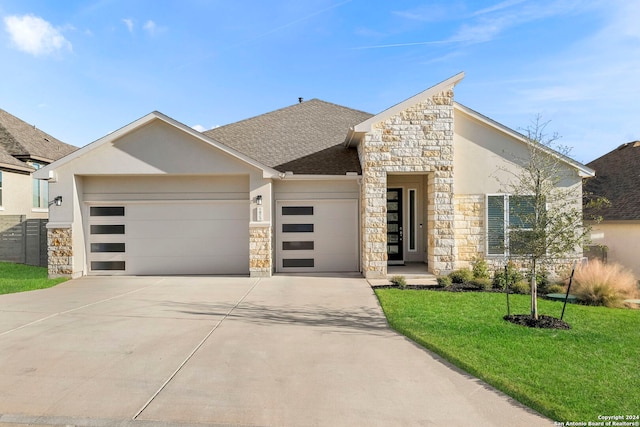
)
(204, 237)
(317, 236)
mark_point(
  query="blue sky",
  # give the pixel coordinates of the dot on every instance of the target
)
(81, 69)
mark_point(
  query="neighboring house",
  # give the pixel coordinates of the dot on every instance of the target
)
(618, 180)
(313, 187)
(24, 149)
(24, 200)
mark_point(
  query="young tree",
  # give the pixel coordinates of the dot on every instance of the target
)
(545, 205)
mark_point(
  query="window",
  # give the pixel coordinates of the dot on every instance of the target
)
(298, 246)
(107, 265)
(107, 229)
(412, 220)
(0, 188)
(106, 211)
(297, 228)
(297, 210)
(107, 247)
(510, 220)
(40, 190)
(300, 262)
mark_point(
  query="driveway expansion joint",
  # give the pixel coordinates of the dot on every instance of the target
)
(195, 350)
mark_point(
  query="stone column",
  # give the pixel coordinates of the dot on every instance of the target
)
(417, 140)
(60, 252)
(260, 250)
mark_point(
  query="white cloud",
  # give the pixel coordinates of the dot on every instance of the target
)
(151, 27)
(488, 23)
(34, 35)
(201, 128)
(129, 23)
(497, 7)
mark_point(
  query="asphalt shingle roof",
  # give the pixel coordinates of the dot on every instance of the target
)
(618, 179)
(305, 138)
(20, 139)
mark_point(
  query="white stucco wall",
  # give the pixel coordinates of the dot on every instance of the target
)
(157, 161)
(307, 189)
(622, 239)
(486, 161)
(157, 149)
(17, 196)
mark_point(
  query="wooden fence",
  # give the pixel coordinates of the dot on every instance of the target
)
(23, 240)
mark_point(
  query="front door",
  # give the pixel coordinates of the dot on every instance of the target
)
(394, 226)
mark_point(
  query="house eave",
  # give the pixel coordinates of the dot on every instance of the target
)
(20, 169)
(27, 157)
(303, 177)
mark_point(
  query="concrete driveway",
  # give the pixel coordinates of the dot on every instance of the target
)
(282, 351)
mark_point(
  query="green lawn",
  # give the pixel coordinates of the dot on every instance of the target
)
(568, 375)
(20, 278)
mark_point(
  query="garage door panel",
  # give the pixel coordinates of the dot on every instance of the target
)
(197, 230)
(330, 242)
(172, 265)
(189, 211)
(172, 238)
(178, 246)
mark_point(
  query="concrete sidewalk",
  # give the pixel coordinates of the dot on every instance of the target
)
(282, 351)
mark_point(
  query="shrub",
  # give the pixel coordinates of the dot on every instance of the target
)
(499, 279)
(596, 283)
(462, 275)
(482, 283)
(444, 281)
(399, 281)
(480, 269)
(555, 288)
(520, 287)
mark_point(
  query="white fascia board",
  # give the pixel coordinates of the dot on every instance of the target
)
(392, 111)
(294, 177)
(43, 173)
(583, 171)
(9, 167)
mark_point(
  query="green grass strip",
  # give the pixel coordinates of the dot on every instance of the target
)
(21, 278)
(568, 375)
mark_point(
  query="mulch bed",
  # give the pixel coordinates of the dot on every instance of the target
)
(546, 322)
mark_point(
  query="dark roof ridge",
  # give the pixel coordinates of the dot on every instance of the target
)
(279, 110)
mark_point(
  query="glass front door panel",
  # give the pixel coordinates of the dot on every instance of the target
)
(394, 225)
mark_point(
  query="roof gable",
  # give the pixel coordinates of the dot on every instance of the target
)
(617, 178)
(303, 138)
(121, 141)
(583, 171)
(22, 140)
(361, 128)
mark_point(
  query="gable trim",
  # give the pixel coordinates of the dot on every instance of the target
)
(48, 171)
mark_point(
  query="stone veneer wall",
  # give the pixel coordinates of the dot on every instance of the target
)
(469, 228)
(416, 140)
(470, 240)
(260, 251)
(60, 252)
